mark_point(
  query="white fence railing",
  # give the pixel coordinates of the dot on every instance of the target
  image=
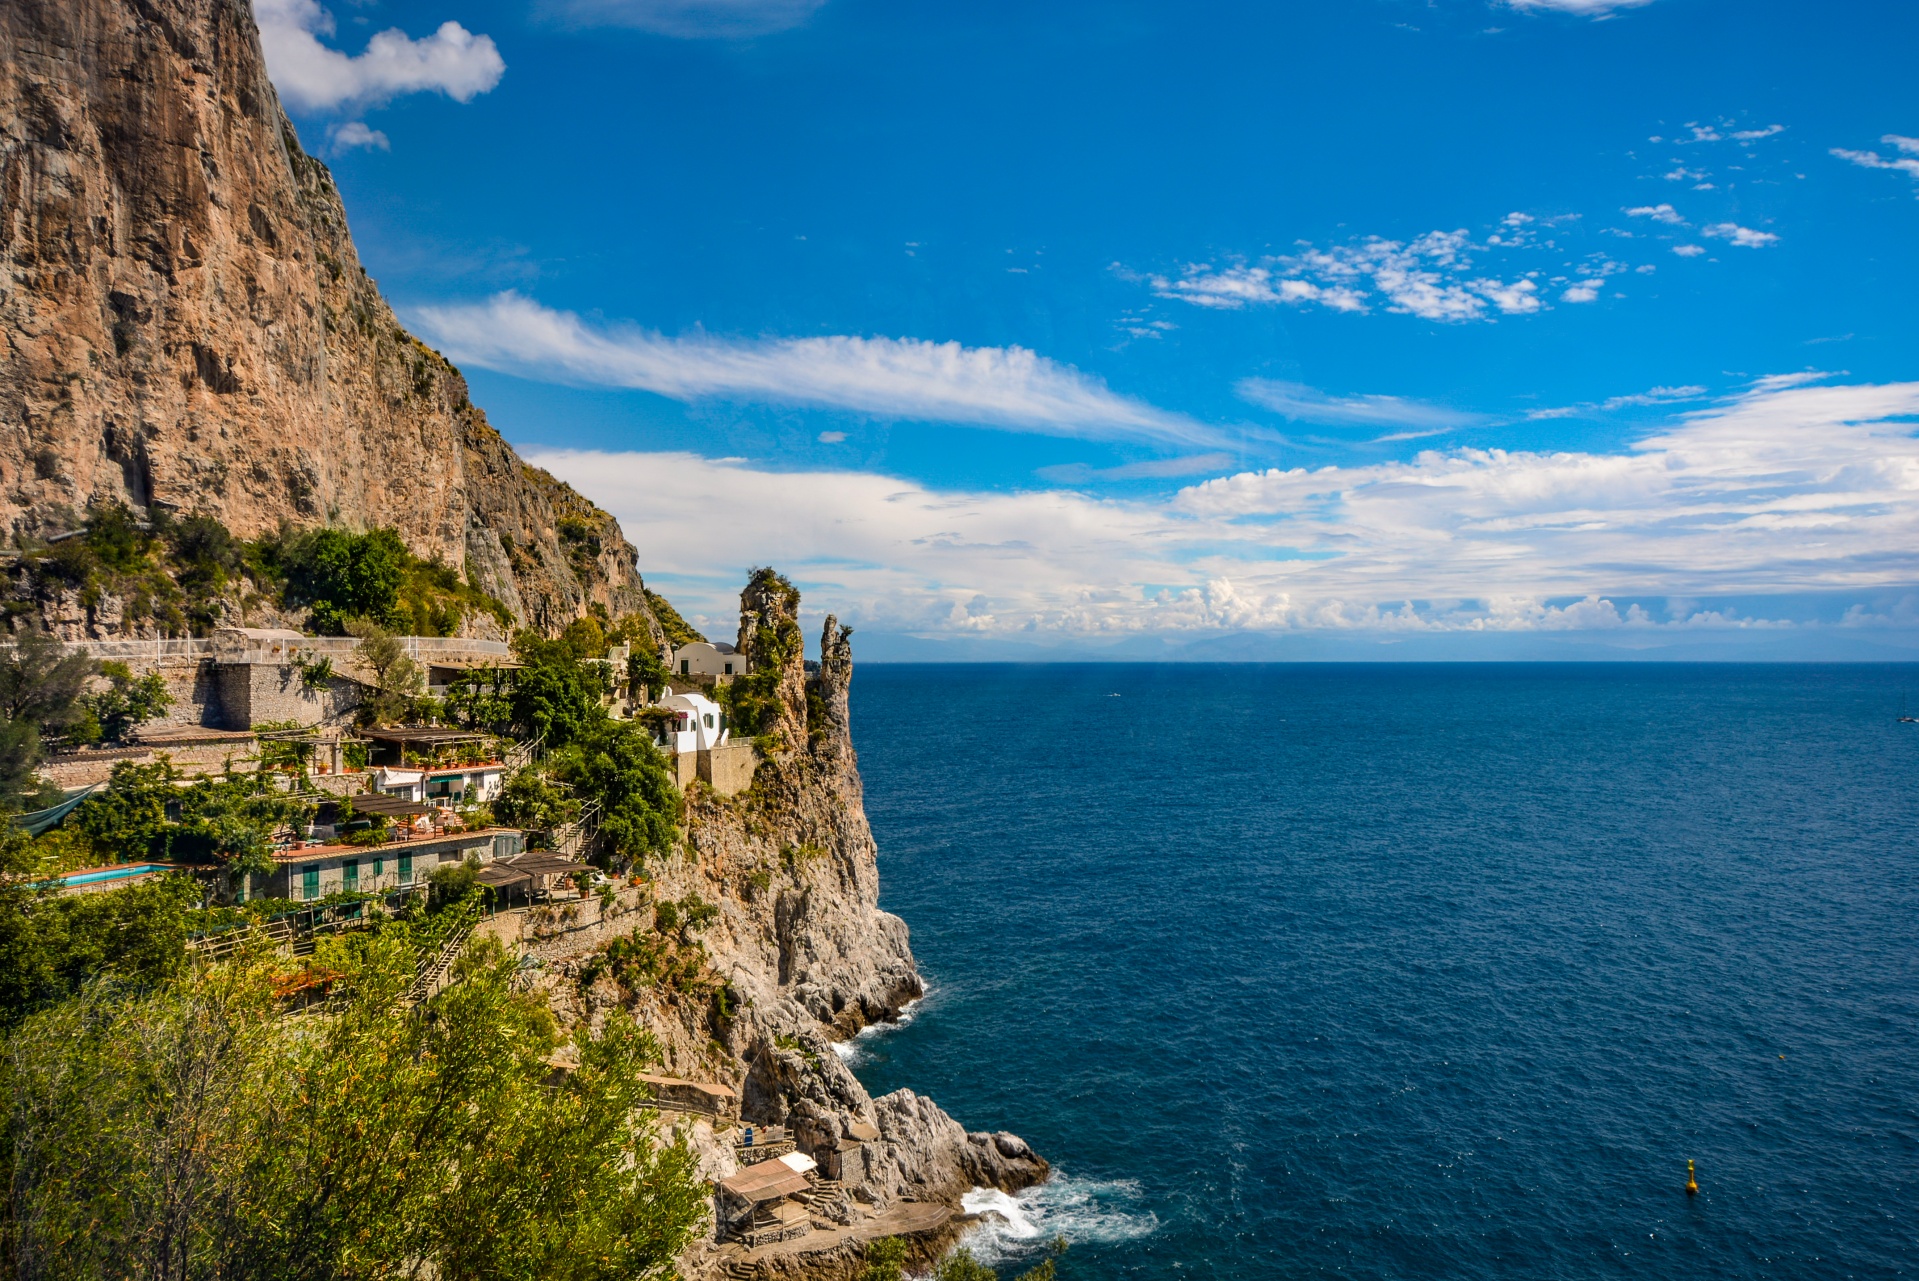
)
(425, 650)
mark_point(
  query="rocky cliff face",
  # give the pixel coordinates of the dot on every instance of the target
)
(187, 324)
(801, 942)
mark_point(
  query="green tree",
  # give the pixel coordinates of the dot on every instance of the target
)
(452, 885)
(960, 1265)
(204, 552)
(344, 576)
(481, 699)
(645, 673)
(20, 755)
(51, 946)
(617, 766)
(189, 1130)
(531, 800)
(398, 681)
(885, 1260)
(556, 696)
(114, 537)
(146, 814)
(128, 701)
(41, 683)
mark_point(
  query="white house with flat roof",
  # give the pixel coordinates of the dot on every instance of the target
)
(451, 784)
(708, 658)
(698, 724)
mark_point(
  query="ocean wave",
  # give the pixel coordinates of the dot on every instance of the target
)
(856, 1051)
(1084, 1211)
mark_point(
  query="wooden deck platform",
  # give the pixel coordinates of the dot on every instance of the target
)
(904, 1218)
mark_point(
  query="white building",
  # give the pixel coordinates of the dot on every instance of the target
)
(698, 724)
(706, 658)
(466, 784)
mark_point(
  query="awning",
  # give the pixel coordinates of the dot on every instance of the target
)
(42, 821)
(390, 806)
(545, 863)
(767, 1181)
(501, 877)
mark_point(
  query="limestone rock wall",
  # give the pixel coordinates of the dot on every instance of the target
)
(187, 324)
(801, 941)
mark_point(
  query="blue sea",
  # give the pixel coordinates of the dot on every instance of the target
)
(1392, 971)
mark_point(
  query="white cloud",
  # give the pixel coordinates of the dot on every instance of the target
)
(1584, 291)
(1583, 8)
(1307, 404)
(691, 19)
(1658, 213)
(832, 437)
(1789, 487)
(1754, 135)
(1430, 277)
(1908, 163)
(905, 378)
(355, 134)
(312, 77)
(1688, 251)
(1745, 237)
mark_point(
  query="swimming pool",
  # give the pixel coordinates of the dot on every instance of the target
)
(99, 874)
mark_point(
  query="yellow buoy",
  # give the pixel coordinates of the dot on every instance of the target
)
(1692, 1184)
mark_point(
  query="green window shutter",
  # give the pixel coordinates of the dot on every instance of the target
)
(310, 883)
(379, 866)
(406, 869)
(350, 875)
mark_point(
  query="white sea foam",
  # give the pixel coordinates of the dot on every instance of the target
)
(856, 1051)
(1084, 1211)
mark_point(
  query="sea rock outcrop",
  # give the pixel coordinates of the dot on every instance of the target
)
(799, 939)
(188, 324)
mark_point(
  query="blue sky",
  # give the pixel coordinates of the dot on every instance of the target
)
(1453, 325)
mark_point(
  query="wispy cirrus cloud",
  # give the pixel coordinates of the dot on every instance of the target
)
(1791, 486)
(903, 378)
(1904, 160)
(690, 19)
(1651, 396)
(1310, 405)
(312, 77)
(1580, 8)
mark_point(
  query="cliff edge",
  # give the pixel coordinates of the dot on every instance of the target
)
(187, 323)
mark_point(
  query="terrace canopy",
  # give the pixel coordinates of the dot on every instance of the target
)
(767, 1181)
(422, 737)
(370, 803)
(501, 877)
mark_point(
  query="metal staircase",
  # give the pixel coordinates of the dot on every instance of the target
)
(433, 970)
(573, 840)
